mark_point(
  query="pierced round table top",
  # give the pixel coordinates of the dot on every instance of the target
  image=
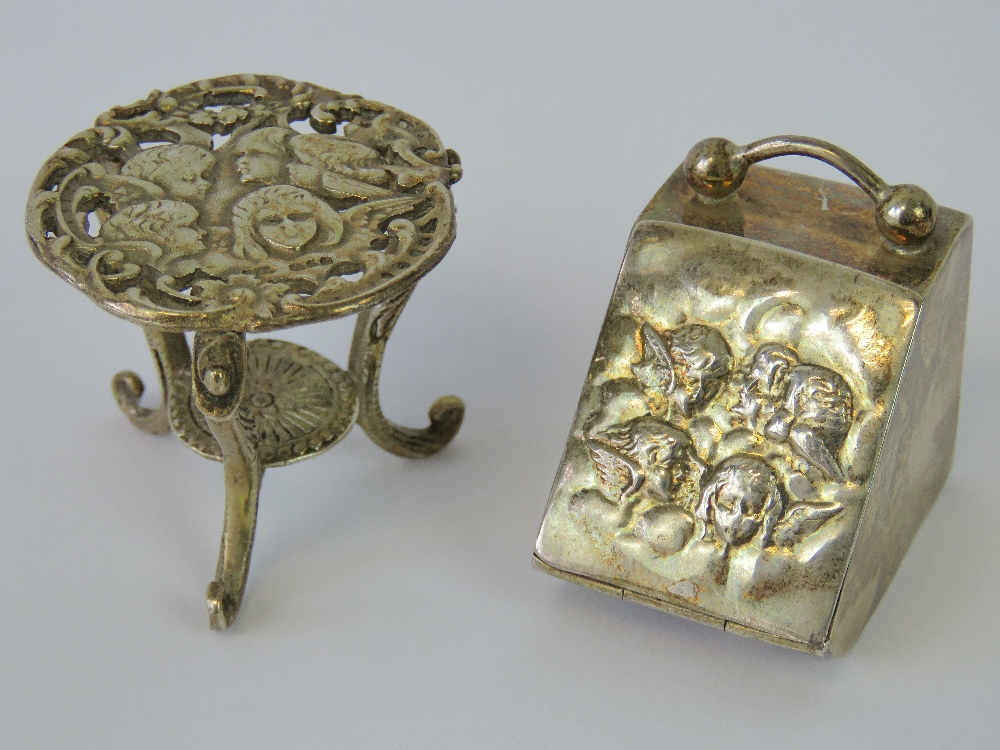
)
(245, 203)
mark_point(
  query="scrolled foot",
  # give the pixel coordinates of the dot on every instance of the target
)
(222, 608)
(446, 416)
(128, 388)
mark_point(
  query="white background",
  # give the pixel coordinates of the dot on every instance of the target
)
(392, 603)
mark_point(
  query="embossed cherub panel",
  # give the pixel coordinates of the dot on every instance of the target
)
(728, 428)
(210, 206)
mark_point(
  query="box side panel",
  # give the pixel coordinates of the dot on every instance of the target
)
(917, 451)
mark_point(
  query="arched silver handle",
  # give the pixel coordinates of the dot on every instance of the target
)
(905, 214)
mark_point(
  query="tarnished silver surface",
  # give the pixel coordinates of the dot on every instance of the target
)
(244, 204)
(763, 427)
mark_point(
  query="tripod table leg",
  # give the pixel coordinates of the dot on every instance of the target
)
(218, 378)
(371, 333)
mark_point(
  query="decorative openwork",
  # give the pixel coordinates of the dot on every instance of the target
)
(207, 208)
(247, 204)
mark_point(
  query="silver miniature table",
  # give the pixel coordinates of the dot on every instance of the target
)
(248, 204)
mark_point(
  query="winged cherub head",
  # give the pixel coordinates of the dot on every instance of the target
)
(179, 169)
(262, 155)
(689, 364)
(647, 454)
(815, 416)
(742, 498)
(761, 386)
(170, 225)
(281, 221)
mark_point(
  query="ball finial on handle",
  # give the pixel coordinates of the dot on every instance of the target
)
(715, 167)
(907, 214)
